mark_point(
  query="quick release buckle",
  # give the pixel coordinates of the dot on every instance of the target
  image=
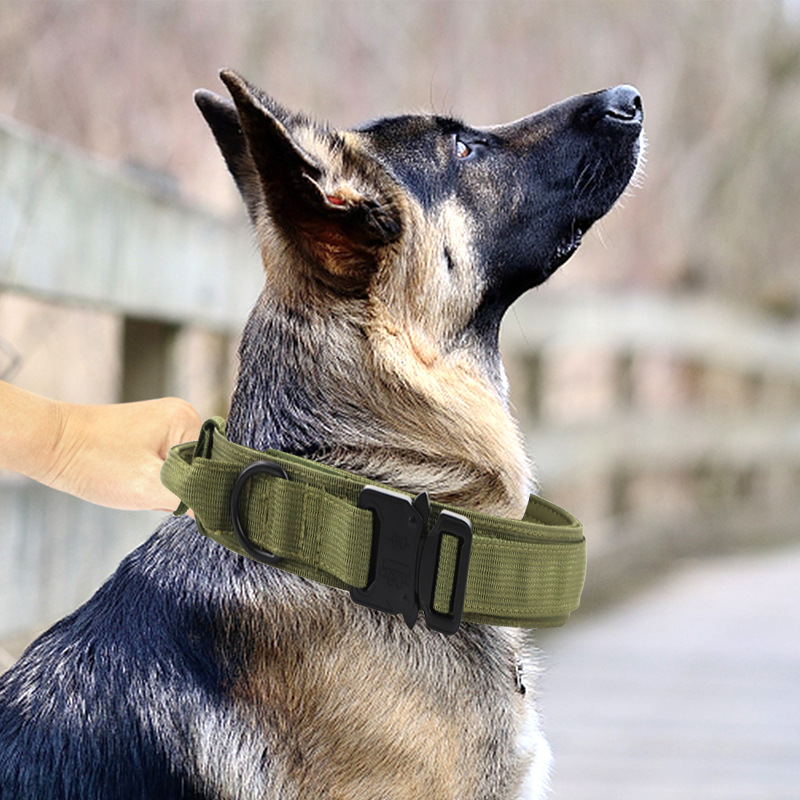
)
(403, 567)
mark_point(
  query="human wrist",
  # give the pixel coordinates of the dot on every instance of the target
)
(49, 451)
(32, 430)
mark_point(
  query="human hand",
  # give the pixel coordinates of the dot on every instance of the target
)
(112, 454)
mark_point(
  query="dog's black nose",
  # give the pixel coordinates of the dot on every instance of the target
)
(624, 102)
(621, 105)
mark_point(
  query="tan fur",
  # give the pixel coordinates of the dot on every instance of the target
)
(447, 410)
(373, 725)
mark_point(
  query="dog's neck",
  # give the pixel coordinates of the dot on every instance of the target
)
(322, 386)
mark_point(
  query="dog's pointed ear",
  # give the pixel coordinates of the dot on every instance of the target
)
(221, 116)
(339, 220)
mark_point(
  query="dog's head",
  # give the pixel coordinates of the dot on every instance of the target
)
(392, 252)
(439, 220)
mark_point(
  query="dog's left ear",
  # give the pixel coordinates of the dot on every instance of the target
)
(340, 220)
(221, 116)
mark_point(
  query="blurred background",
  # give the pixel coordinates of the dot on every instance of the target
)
(656, 375)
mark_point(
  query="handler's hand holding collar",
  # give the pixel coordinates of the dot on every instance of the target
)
(107, 454)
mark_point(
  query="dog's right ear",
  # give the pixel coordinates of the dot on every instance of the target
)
(233, 132)
(334, 205)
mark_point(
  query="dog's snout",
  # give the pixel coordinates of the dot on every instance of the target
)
(624, 102)
(621, 105)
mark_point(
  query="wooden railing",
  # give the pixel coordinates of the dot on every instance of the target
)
(671, 425)
(79, 234)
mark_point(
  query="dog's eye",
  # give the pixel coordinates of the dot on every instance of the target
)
(462, 150)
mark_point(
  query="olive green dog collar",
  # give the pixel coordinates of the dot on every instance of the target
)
(393, 552)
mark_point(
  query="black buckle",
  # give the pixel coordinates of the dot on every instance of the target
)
(270, 468)
(404, 559)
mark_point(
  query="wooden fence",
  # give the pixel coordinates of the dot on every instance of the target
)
(76, 236)
(671, 426)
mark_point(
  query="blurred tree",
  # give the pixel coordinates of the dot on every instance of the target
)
(721, 83)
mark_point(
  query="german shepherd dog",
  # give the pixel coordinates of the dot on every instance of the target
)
(391, 253)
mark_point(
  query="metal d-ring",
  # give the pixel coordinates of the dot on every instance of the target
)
(257, 467)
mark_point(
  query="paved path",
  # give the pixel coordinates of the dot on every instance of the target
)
(691, 690)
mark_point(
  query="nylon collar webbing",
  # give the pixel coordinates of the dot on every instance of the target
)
(524, 573)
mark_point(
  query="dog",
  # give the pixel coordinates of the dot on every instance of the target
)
(391, 253)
